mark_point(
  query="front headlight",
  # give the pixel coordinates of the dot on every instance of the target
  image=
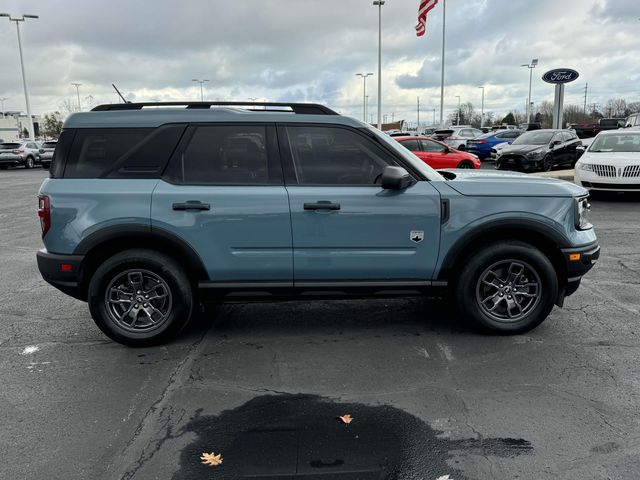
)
(587, 167)
(582, 213)
(535, 155)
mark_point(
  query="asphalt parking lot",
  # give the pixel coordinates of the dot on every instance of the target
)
(263, 383)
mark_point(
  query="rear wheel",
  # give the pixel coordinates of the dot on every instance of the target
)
(465, 164)
(140, 297)
(509, 287)
(28, 163)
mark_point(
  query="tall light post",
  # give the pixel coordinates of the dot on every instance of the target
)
(434, 116)
(77, 85)
(482, 109)
(366, 110)
(530, 66)
(24, 79)
(364, 94)
(379, 4)
(201, 82)
(2, 102)
(458, 111)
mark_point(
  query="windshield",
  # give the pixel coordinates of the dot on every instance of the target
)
(622, 142)
(534, 138)
(409, 157)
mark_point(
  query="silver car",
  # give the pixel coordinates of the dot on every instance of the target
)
(19, 153)
(457, 137)
(45, 154)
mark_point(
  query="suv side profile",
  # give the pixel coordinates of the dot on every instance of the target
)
(19, 153)
(148, 211)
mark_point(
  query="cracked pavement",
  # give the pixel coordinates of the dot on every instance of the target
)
(83, 407)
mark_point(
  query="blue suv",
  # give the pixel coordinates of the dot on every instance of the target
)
(149, 211)
(482, 146)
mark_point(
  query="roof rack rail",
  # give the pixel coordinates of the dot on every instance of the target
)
(298, 108)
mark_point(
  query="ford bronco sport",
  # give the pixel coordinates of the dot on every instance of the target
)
(149, 210)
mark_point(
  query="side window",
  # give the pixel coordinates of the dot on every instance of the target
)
(566, 137)
(512, 134)
(432, 147)
(412, 145)
(503, 135)
(466, 132)
(94, 151)
(223, 155)
(335, 156)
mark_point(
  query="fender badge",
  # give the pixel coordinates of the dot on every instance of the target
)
(416, 236)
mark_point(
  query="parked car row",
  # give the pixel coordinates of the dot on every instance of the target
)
(27, 153)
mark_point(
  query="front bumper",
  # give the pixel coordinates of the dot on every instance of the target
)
(62, 271)
(616, 182)
(579, 260)
(518, 162)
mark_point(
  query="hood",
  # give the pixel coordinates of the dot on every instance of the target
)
(523, 149)
(617, 159)
(481, 183)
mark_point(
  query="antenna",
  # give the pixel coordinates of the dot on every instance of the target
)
(118, 92)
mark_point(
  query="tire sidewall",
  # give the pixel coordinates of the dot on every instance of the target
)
(161, 265)
(467, 284)
(29, 162)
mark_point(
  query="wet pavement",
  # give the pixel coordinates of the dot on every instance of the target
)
(263, 384)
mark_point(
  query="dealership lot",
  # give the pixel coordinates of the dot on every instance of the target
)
(559, 402)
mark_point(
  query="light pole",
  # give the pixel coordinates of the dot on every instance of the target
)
(458, 111)
(201, 82)
(366, 110)
(418, 122)
(24, 79)
(364, 94)
(531, 66)
(379, 4)
(434, 116)
(482, 109)
(2, 102)
(77, 85)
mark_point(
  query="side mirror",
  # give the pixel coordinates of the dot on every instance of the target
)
(395, 178)
(555, 143)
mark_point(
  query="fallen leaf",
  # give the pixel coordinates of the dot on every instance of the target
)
(346, 419)
(211, 459)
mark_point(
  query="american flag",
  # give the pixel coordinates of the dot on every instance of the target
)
(425, 7)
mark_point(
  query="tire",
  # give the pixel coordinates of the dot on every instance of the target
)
(112, 295)
(465, 164)
(28, 163)
(462, 148)
(46, 166)
(528, 267)
(547, 163)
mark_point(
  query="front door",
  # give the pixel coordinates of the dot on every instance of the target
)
(345, 227)
(223, 194)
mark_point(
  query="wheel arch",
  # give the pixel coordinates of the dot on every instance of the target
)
(100, 245)
(548, 240)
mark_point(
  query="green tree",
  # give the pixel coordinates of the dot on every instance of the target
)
(52, 124)
(509, 119)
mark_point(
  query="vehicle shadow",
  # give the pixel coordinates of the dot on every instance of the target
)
(412, 315)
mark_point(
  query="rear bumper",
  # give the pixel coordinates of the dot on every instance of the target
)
(62, 271)
(10, 160)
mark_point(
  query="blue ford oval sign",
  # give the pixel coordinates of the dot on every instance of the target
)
(560, 75)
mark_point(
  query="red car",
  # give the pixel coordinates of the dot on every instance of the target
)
(437, 154)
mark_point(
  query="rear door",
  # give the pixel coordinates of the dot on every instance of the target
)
(346, 228)
(223, 193)
(415, 147)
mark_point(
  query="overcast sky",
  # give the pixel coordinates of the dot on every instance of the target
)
(304, 50)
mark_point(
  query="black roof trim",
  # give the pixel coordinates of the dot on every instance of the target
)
(298, 108)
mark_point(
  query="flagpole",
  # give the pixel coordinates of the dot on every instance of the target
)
(444, 8)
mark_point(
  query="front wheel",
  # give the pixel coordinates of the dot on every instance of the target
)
(28, 162)
(140, 298)
(547, 163)
(465, 164)
(508, 287)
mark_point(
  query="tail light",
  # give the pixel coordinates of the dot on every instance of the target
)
(44, 213)
(479, 141)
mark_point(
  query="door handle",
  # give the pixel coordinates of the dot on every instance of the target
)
(191, 205)
(322, 206)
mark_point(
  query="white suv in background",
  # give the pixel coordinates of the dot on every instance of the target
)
(612, 162)
(633, 121)
(456, 137)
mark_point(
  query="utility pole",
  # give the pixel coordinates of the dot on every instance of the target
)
(77, 85)
(586, 86)
(530, 66)
(366, 110)
(24, 78)
(364, 94)
(458, 111)
(201, 82)
(434, 117)
(418, 123)
(482, 109)
(2, 102)
(379, 4)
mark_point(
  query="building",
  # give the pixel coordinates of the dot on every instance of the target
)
(13, 125)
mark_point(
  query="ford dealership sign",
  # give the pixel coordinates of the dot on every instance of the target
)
(560, 75)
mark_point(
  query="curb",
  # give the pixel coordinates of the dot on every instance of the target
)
(559, 174)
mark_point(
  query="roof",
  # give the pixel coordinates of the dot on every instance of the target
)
(156, 114)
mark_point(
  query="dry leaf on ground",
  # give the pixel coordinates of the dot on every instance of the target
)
(211, 459)
(346, 419)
